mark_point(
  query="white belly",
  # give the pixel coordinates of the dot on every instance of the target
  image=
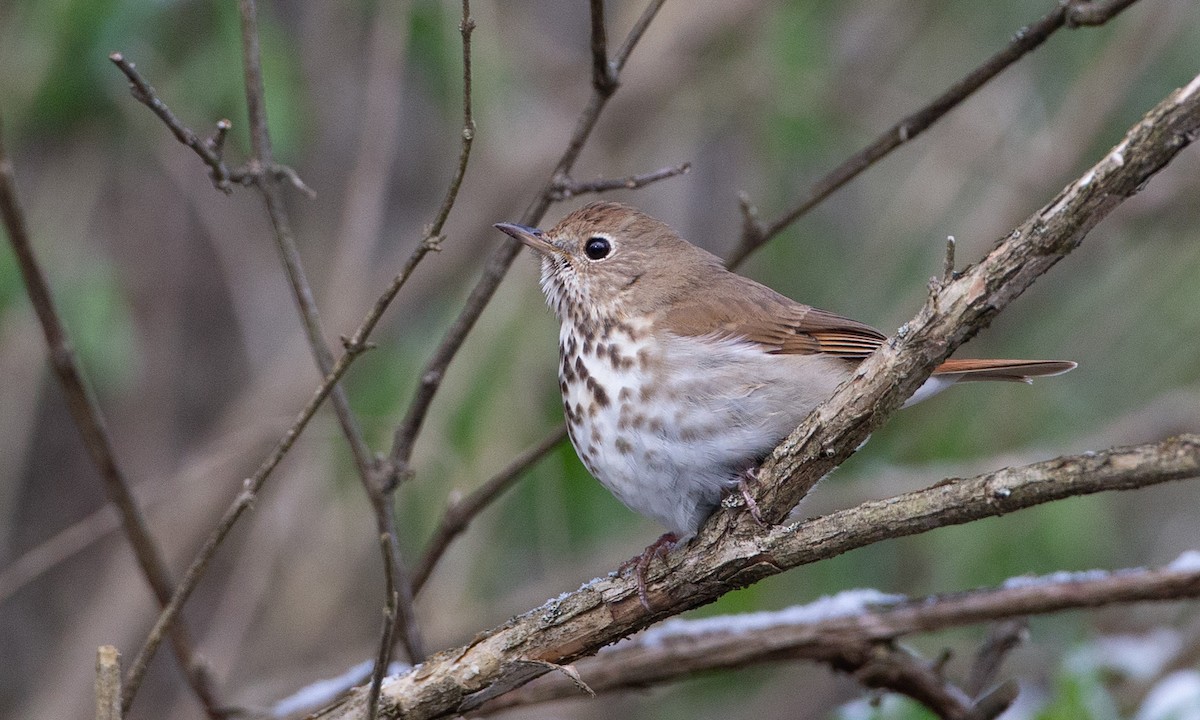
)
(668, 423)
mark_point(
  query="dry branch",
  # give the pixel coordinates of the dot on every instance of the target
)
(608, 609)
(1068, 13)
(86, 414)
(818, 631)
(431, 376)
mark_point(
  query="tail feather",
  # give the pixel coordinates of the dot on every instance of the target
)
(1010, 370)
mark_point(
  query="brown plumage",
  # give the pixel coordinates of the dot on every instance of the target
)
(677, 374)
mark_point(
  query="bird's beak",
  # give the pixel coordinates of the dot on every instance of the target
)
(532, 237)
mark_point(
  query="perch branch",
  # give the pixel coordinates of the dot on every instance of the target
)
(607, 609)
(732, 551)
(680, 648)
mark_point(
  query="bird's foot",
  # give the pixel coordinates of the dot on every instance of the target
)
(743, 485)
(641, 563)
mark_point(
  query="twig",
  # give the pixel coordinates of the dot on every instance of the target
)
(566, 188)
(384, 656)
(89, 419)
(1002, 640)
(244, 500)
(461, 512)
(1071, 14)
(604, 76)
(210, 151)
(108, 683)
(268, 184)
(948, 262)
(609, 608)
(887, 667)
(497, 266)
(681, 648)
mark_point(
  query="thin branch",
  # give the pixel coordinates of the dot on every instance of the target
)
(210, 151)
(497, 266)
(268, 184)
(1003, 638)
(607, 609)
(604, 76)
(244, 501)
(680, 648)
(108, 683)
(567, 188)
(89, 419)
(1071, 14)
(461, 512)
(384, 657)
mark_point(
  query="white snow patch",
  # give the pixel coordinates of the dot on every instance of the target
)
(1189, 89)
(843, 604)
(1188, 561)
(322, 692)
(1175, 697)
(1026, 581)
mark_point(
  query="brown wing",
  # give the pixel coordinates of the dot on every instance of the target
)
(738, 307)
(733, 306)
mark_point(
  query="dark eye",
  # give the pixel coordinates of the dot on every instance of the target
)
(597, 248)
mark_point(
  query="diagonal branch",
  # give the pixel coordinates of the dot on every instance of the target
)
(502, 258)
(606, 609)
(732, 551)
(269, 185)
(957, 310)
(461, 512)
(85, 412)
(1069, 13)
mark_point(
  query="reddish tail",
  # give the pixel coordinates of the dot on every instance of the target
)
(1011, 370)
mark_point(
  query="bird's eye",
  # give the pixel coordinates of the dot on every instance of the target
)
(597, 248)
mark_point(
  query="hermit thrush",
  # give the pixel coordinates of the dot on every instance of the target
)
(677, 375)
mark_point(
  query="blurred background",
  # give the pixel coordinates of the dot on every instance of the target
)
(186, 329)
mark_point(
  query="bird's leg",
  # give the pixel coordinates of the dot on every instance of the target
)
(743, 486)
(659, 548)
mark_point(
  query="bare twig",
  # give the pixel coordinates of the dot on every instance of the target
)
(461, 512)
(566, 188)
(680, 648)
(609, 608)
(89, 419)
(1003, 638)
(1071, 13)
(210, 151)
(498, 264)
(604, 76)
(406, 628)
(384, 657)
(887, 667)
(108, 683)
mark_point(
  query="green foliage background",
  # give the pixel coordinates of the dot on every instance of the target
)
(185, 327)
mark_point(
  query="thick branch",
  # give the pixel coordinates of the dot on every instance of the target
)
(817, 631)
(955, 311)
(607, 609)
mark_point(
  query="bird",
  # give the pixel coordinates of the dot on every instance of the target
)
(679, 376)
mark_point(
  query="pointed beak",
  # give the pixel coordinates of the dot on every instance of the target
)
(532, 237)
